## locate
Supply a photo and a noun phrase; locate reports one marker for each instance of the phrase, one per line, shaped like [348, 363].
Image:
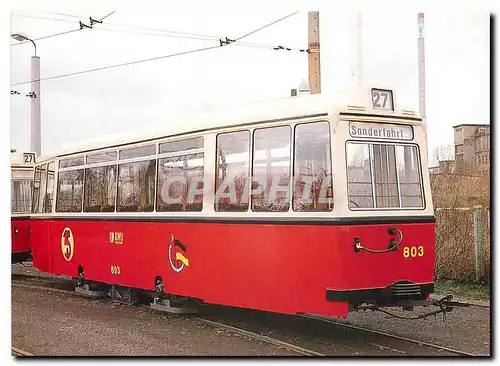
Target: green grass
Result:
[463, 289]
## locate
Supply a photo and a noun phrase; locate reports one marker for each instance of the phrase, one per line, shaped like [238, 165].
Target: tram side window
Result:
[136, 186]
[100, 189]
[271, 169]
[232, 171]
[69, 191]
[313, 168]
[181, 145]
[180, 183]
[70, 162]
[49, 196]
[383, 176]
[21, 196]
[36, 189]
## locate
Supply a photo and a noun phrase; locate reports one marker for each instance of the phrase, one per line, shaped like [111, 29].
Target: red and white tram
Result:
[313, 204]
[22, 168]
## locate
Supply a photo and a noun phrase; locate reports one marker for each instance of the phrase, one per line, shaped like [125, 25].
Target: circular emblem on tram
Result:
[180, 260]
[67, 244]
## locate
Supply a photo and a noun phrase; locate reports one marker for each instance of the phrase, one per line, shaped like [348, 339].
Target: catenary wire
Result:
[146, 60]
[165, 33]
[61, 33]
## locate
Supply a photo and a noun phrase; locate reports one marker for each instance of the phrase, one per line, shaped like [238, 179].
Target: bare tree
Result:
[444, 152]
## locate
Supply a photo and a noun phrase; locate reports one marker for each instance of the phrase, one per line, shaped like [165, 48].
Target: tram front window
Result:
[383, 176]
[21, 196]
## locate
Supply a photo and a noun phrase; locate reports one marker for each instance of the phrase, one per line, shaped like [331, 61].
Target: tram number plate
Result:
[382, 99]
[115, 270]
[413, 251]
[29, 158]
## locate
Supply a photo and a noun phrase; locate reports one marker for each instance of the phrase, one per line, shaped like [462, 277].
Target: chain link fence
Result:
[462, 242]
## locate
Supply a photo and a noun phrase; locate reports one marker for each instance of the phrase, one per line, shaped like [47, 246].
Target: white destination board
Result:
[380, 131]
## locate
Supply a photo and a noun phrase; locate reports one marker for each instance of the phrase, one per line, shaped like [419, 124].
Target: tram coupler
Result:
[445, 305]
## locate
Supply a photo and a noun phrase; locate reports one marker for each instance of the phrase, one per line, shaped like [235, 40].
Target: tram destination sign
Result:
[380, 131]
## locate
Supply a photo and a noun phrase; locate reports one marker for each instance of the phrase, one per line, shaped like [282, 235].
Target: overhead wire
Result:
[58, 34]
[151, 59]
[118, 65]
[168, 33]
[267, 25]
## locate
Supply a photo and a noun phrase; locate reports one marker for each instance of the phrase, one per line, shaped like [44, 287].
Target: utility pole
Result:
[35, 115]
[314, 59]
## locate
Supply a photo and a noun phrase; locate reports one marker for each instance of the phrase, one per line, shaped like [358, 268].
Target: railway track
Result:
[247, 333]
[19, 352]
[253, 335]
[260, 337]
[394, 336]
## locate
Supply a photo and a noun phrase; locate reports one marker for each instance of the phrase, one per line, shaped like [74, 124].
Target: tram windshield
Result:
[21, 196]
[383, 176]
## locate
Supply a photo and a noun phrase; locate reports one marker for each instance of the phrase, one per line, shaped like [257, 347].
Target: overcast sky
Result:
[87, 105]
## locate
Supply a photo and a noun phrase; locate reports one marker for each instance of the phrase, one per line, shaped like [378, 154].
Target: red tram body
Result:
[22, 168]
[370, 239]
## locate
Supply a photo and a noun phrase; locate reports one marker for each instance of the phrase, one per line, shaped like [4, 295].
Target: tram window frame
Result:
[89, 194]
[60, 178]
[35, 195]
[244, 204]
[264, 202]
[42, 189]
[49, 196]
[330, 204]
[136, 206]
[374, 207]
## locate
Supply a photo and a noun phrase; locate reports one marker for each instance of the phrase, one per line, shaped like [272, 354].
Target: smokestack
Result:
[356, 50]
[421, 66]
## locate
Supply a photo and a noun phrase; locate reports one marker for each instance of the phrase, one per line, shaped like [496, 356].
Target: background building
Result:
[472, 149]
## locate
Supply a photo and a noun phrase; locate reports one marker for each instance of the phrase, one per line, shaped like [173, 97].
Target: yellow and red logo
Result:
[181, 260]
[116, 237]
[67, 244]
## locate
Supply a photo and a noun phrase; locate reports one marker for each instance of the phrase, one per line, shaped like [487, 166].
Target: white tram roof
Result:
[289, 107]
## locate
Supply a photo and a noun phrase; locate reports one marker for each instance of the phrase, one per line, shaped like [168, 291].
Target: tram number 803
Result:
[413, 251]
[115, 270]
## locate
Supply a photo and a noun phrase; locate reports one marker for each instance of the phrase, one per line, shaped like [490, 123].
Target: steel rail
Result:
[260, 337]
[19, 352]
[367, 330]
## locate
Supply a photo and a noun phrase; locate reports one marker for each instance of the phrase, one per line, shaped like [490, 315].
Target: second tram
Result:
[22, 168]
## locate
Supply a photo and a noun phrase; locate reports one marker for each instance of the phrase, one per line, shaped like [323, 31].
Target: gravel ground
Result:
[465, 329]
[53, 324]
[43, 322]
